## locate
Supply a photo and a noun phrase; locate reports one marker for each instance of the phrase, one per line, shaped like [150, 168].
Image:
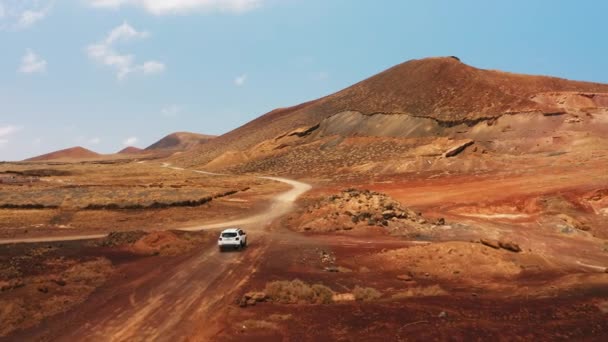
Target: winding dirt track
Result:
[281, 204]
[174, 302]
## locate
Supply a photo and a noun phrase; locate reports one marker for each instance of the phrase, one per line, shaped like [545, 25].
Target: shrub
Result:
[296, 291]
[366, 294]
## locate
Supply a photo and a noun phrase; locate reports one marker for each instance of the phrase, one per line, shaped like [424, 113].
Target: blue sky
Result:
[105, 73]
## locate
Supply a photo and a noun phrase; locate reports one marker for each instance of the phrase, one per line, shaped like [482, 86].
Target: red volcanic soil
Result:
[180, 141]
[441, 89]
[131, 150]
[69, 153]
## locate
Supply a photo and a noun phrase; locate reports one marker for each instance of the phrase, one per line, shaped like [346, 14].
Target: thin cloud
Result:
[5, 132]
[23, 14]
[171, 111]
[240, 80]
[94, 141]
[124, 64]
[31, 63]
[130, 141]
[165, 7]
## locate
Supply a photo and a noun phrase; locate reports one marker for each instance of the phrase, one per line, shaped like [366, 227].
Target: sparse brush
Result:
[296, 291]
[366, 294]
[430, 291]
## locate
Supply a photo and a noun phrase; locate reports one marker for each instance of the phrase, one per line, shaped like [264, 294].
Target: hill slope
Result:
[444, 91]
[68, 153]
[130, 150]
[180, 141]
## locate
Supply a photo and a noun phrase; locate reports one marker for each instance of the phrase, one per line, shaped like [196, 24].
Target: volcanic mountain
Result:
[69, 153]
[427, 106]
[130, 150]
[180, 141]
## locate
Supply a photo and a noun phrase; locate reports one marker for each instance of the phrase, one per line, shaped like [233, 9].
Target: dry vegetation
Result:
[89, 196]
[56, 284]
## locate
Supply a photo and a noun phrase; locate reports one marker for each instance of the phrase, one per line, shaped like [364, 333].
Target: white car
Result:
[232, 238]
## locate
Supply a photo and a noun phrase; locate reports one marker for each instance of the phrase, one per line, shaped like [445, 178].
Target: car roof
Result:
[231, 230]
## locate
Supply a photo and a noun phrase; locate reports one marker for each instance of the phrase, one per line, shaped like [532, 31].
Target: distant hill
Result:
[180, 141]
[426, 98]
[69, 153]
[130, 150]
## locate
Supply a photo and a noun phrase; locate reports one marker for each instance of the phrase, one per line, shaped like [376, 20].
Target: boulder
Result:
[510, 246]
[490, 243]
[456, 149]
[405, 277]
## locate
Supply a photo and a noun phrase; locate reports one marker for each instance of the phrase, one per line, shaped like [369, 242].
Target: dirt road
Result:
[280, 205]
[168, 303]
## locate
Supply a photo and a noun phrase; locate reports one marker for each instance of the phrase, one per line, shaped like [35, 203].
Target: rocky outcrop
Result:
[458, 148]
[358, 209]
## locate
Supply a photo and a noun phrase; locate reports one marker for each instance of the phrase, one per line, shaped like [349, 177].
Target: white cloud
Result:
[130, 141]
[5, 132]
[164, 7]
[32, 63]
[22, 14]
[320, 76]
[94, 141]
[240, 80]
[124, 64]
[124, 32]
[29, 18]
[152, 67]
[171, 111]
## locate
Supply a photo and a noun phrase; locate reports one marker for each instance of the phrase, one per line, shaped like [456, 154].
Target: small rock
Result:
[440, 221]
[43, 289]
[405, 277]
[510, 246]
[60, 282]
[332, 269]
[388, 214]
[490, 243]
[251, 302]
[443, 314]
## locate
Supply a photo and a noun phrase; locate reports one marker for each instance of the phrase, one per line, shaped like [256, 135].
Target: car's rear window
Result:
[228, 235]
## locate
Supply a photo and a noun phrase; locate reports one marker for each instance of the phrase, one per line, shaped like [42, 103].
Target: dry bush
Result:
[90, 272]
[296, 291]
[429, 291]
[258, 324]
[366, 294]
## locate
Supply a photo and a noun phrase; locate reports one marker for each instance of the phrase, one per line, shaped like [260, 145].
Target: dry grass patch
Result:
[298, 292]
[366, 294]
[37, 297]
[429, 291]
[259, 325]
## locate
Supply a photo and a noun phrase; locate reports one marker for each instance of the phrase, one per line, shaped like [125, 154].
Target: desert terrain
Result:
[433, 201]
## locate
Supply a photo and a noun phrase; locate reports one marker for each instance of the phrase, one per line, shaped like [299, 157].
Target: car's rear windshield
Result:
[228, 234]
